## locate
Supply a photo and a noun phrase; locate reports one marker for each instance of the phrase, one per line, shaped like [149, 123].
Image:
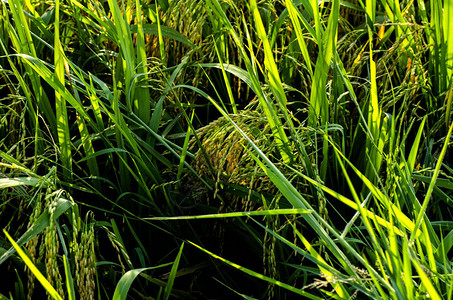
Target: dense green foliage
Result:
[221, 149]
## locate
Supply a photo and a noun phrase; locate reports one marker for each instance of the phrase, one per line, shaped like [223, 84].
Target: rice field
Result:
[216, 149]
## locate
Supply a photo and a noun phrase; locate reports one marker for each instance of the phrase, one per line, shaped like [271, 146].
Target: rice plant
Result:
[219, 149]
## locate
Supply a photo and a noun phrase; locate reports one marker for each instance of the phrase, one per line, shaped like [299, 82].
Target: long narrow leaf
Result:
[47, 286]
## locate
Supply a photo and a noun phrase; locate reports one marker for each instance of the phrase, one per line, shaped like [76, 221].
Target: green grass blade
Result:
[379, 195]
[272, 212]
[47, 286]
[234, 70]
[269, 60]
[431, 186]
[142, 101]
[432, 292]
[161, 40]
[64, 138]
[38, 226]
[126, 61]
[87, 147]
[165, 31]
[158, 108]
[365, 212]
[415, 146]
[407, 269]
[19, 181]
[319, 108]
[94, 99]
[69, 279]
[102, 152]
[40, 68]
[338, 287]
[258, 275]
[294, 15]
[124, 284]
[227, 81]
[374, 143]
[448, 105]
[448, 28]
[171, 277]
[184, 149]
[234, 291]
[23, 43]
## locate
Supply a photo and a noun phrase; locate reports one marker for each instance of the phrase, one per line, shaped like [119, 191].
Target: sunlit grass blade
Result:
[60, 103]
[171, 277]
[427, 283]
[124, 284]
[272, 212]
[379, 195]
[161, 40]
[257, 275]
[23, 43]
[415, 146]
[363, 211]
[184, 150]
[69, 279]
[38, 226]
[47, 286]
[227, 82]
[427, 197]
[448, 28]
[268, 106]
[19, 181]
[294, 15]
[338, 287]
[269, 60]
[126, 62]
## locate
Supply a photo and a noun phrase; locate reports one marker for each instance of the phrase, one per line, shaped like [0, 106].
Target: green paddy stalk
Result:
[374, 144]
[126, 60]
[64, 138]
[326, 39]
[448, 29]
[142, 100]
[431, 186]
[269, 60]
[33, 114]
[314, 220]
[295, 17]
[161, 40]
[226, 80]
[268, 106]
[23, 43]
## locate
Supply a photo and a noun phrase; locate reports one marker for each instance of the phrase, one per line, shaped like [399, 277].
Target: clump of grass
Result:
[333, 136]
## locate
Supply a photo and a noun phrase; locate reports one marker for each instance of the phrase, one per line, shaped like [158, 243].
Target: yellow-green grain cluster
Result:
[33, 246]
[85, 258]
[52, 244]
